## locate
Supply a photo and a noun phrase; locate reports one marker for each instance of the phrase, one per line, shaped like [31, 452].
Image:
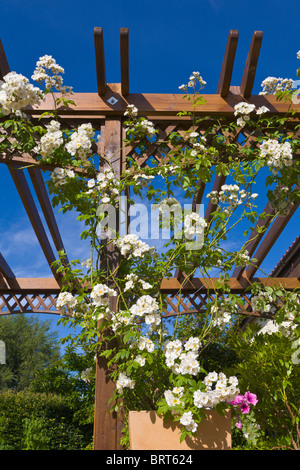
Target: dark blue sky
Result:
[167, 41]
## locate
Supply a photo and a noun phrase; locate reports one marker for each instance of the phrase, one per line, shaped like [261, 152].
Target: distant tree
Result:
[71, 377]
[30, 345]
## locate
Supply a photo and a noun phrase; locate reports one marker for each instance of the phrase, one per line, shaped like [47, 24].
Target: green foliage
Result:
[276, 383]
[35, 421]
[35, 409]
[30, 346]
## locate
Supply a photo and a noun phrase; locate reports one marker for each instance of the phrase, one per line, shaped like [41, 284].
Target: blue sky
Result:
[167, 41]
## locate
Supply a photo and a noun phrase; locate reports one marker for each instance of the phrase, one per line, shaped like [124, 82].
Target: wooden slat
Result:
[248, 78]
[32, 212]
[204, 285]
[124, 52]
[155, 104]
[228, 62]
[168, 286]
[5, 270]
[44, 200]
[4, 67]
[100, 61]
[276, 229]
[30, 286]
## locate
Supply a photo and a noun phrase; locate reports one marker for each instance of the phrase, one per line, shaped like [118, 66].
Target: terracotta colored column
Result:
[107, 425]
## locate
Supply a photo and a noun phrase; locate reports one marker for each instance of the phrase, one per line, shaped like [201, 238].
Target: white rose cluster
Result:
[280, 200]
[52, 140]
[243, 110]
[147, 307]
[131, 111]
[107, 184]
[142, 180]
[16, 93]
[131, 246]
[48, 71]
[124, 381]
[167, 204]
[132, 280]
[183, 359]
[100, 294]
[272, 85]
[262, 303]
[219, 388]
[59, 175]
[197, 141]
[67, 300]
[141, 128]
[222, 314]
[194, 224]
[194, 80]
[278, 154]
[119, 319]
[188, 422]
[80, 142]
[230, 194]
[173, 396]
[241, 258]
[145, 343]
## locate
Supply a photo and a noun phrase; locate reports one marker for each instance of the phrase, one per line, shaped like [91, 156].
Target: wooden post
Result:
[107, 425]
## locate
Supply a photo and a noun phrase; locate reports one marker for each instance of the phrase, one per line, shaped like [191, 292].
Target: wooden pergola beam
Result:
[4, 67]
[5, 269]
[168, 286]
[27, 285]
[100, 61]
[248, 78]
[227, 65]
[267, 243]
[210, 285]
[124, 57]
[155, 105]
[34, 217]
[45, 203]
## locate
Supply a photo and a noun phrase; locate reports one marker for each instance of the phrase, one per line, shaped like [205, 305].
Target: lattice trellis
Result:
[22, 303]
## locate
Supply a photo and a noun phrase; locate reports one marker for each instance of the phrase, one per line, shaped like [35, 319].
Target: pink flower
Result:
[237, 400]
[251, 398]
[239, 423]
[245, 408]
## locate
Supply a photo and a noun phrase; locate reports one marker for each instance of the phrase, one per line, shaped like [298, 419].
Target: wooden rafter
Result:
[124, 50]
[228, 62]
[267, 243]
[100, 61]
[6, 273]
[4, 67]
[248, 77]
[34, 217]
[45, 203]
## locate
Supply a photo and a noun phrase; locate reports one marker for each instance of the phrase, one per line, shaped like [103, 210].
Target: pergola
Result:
[105, 110]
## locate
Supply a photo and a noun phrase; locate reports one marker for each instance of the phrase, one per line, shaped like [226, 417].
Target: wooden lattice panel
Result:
[185, 304]
[22, 303]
